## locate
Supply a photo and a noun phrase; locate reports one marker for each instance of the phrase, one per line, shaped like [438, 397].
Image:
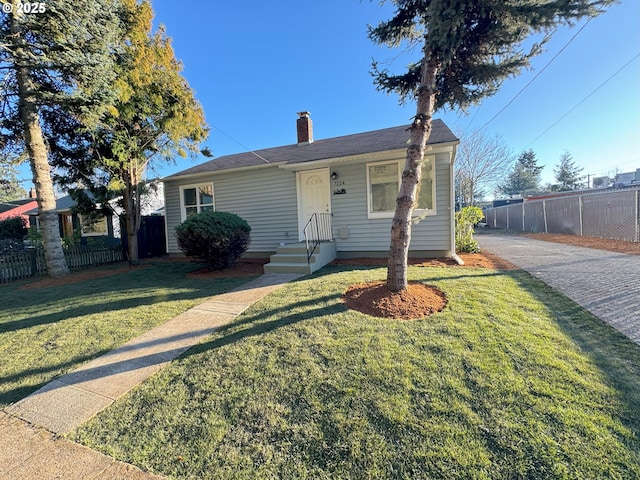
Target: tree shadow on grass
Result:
[255, 324]
[132, 289]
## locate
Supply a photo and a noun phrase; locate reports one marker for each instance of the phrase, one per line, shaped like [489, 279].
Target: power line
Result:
[243, 146]
[584, 99]
[535, 77]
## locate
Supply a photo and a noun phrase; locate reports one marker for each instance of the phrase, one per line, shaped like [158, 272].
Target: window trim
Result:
[100, 218]
[183, 207]
[390, 213]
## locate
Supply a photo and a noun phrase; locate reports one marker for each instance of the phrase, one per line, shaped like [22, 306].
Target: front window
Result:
[93, 224]
[196, 199]
[383, 185]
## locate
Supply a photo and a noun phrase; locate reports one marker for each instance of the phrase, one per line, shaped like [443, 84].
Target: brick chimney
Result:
[305, 128]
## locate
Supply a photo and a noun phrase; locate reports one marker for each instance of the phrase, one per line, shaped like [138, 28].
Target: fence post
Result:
[638, 215]
[580, 209]
[34, 261]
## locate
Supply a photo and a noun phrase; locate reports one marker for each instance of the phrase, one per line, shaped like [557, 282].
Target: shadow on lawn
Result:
[133, 289]
[612, 353]
[254, 325]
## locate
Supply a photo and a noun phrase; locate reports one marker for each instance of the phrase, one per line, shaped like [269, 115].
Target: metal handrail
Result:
[317, 229]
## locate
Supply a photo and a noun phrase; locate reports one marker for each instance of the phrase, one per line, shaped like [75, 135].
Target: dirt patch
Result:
[242, 268]
[619, 246]
[471, 260]
[77, 277]
[417, 301]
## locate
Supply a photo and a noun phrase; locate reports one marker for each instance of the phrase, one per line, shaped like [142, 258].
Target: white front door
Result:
[313, 196]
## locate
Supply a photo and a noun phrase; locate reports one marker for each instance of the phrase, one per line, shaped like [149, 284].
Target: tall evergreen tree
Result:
[468, 47]
[524, 178]
[10, 188]
[155, 118]
[54, 62]
[568, 174]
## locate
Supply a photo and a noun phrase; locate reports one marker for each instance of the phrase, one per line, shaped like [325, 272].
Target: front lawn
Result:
[46, 332]
[511, 380]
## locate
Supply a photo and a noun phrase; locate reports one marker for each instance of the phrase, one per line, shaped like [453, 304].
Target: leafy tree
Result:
[155, 118]
[568, 174]
[524, 177]
[55, 64]
[10, 188]
[480, 163]
[467, 49]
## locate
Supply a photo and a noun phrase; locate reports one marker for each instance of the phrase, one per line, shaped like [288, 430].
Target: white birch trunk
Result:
[37, 151]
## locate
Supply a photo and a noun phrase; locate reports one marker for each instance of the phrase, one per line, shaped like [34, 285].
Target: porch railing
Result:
[317, 229]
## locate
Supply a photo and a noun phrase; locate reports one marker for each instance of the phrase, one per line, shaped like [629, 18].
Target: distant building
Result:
[627, 179]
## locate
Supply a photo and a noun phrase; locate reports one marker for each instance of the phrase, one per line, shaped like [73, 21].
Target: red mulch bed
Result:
[417, 301]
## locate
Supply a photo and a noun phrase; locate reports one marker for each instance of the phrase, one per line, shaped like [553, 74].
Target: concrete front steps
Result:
[292, 258]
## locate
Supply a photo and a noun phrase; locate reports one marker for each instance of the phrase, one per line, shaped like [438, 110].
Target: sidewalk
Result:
[607, 284]
[30, 448]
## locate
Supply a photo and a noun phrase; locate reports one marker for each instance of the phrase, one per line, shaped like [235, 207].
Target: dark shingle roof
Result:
[376, 141]
[11, 204]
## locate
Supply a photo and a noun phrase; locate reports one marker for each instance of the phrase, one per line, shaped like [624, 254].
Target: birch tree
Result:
[55, 57]
[467, 49]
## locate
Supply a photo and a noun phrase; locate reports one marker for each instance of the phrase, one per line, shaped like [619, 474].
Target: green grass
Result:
[511, 380]
[47, 332]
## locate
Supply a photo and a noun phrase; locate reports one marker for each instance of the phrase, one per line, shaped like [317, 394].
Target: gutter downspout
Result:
[452, 210]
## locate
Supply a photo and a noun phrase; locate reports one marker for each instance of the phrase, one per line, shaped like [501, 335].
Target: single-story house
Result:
[341, 189]
[72, 223]
[17, 208]
[98, 224]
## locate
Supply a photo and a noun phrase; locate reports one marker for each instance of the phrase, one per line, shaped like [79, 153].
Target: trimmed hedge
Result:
[216, 238]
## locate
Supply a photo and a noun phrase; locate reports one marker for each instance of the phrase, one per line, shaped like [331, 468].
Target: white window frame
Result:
[183, 207]
[100, 220]
[390, 213]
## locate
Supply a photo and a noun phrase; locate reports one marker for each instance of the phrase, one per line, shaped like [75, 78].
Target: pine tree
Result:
[568, 174]
[10, 188]
[55, 62]
[468, 47]
[524, 178]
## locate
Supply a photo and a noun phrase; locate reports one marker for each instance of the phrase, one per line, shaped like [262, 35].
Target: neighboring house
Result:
[18, 208]
[351, 181]
[99, 225]
[89, 226]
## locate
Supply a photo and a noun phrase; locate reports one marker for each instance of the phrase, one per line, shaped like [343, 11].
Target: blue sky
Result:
[254, 64]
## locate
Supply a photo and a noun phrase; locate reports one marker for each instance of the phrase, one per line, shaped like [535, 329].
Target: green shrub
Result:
[14, 228]
[216, 238]
[466, 218]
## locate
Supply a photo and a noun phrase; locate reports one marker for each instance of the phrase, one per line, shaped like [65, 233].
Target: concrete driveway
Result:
[606, 284]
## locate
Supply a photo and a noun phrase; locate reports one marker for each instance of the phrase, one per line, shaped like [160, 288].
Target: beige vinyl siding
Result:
[373, 235]
[265, 198]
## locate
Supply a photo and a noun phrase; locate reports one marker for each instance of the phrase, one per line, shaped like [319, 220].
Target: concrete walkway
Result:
[606, 284]
[30, 449]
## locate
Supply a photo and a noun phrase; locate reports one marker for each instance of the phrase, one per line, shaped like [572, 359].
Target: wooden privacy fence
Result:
[30, 262]
[613, 214]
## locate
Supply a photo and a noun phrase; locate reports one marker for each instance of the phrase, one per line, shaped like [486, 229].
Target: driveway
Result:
[607, 284]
